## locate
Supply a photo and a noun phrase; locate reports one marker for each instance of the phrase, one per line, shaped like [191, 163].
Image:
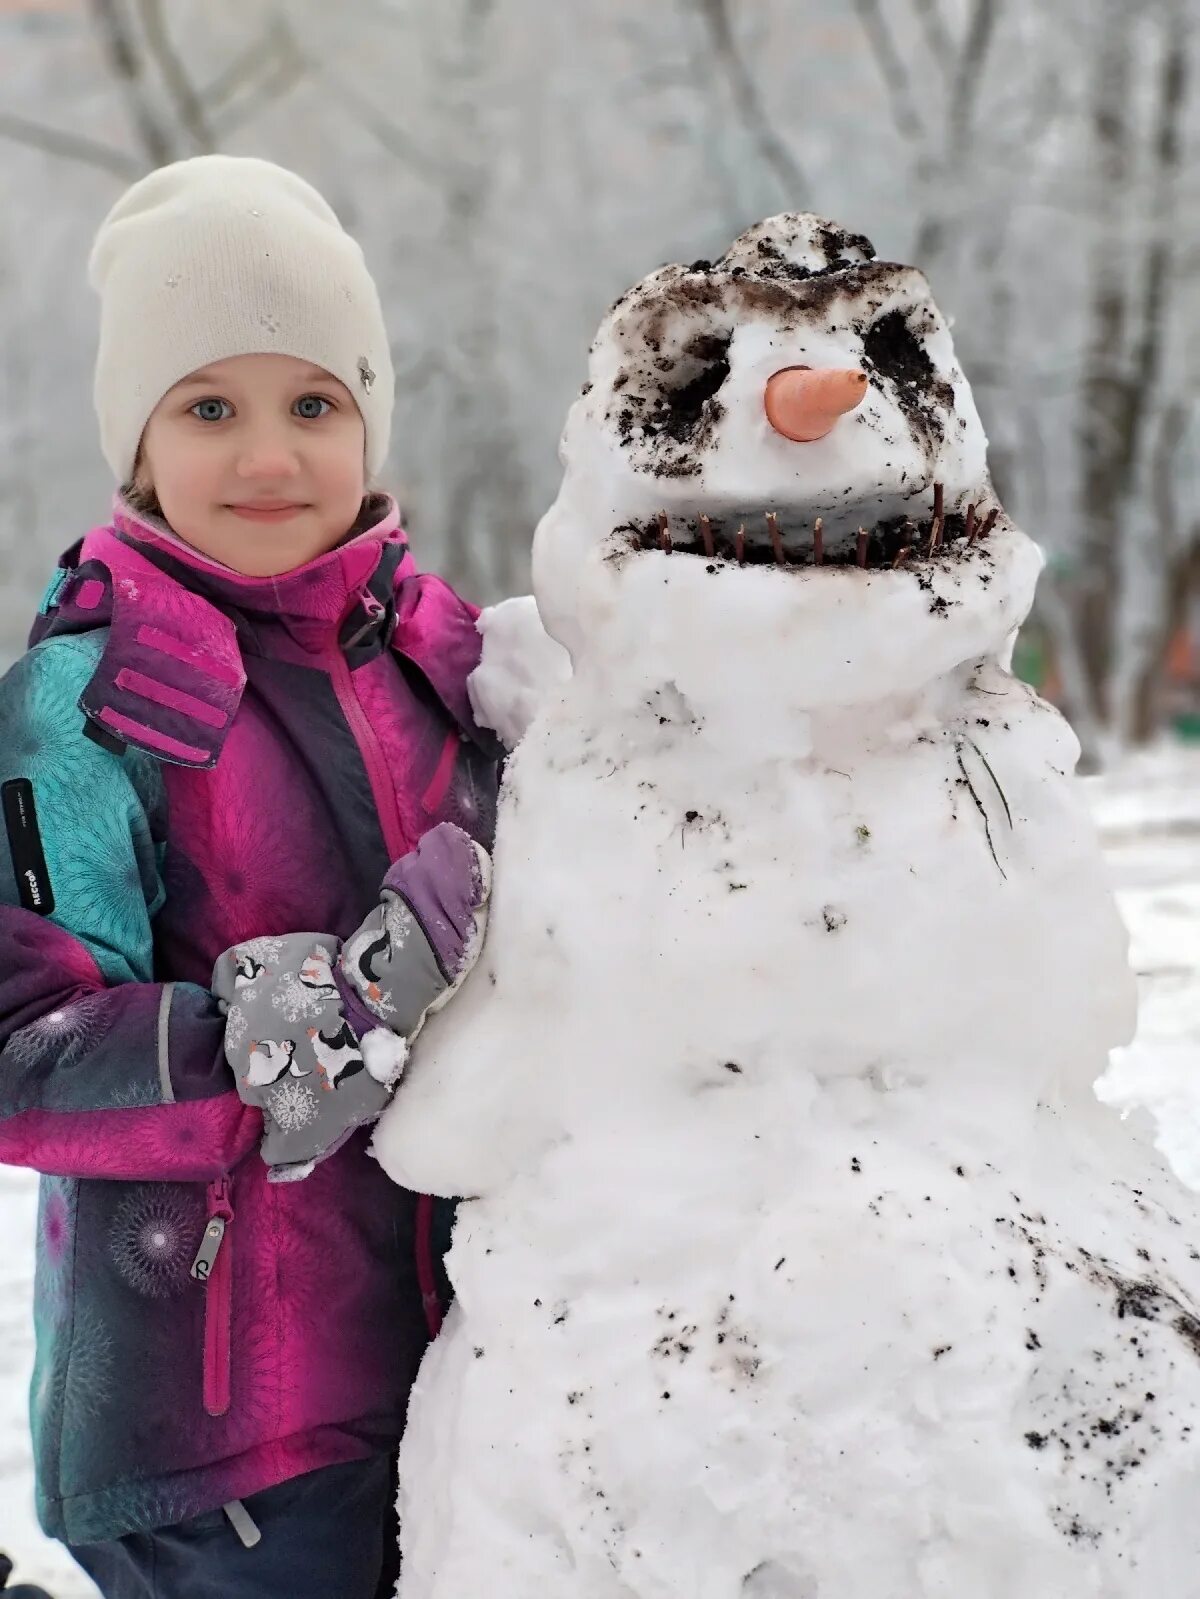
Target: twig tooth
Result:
[776, 539]
[989, 522]
[938, 520]
[664, 533]
[706, 537]
[863, 540]
[970, 528]
[739, 545]
[818, 542]
[902, 556]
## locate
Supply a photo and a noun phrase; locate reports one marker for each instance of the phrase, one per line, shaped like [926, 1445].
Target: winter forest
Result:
[511, 165]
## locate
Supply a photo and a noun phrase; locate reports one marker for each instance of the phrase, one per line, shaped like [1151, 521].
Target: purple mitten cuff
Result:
[443, 883]
[355, 1012]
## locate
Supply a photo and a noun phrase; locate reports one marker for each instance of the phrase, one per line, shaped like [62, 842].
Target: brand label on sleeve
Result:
[25, 846]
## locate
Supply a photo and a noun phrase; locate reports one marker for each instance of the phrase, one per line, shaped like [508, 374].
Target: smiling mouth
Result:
[267, 512]
[771, 538]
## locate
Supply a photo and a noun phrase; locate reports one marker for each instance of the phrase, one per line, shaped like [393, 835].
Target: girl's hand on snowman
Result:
[317, 1034]
[416, 947]
[294, 1054]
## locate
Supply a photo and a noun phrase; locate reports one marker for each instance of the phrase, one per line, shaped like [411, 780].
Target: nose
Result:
[267, 455]
[804, 402]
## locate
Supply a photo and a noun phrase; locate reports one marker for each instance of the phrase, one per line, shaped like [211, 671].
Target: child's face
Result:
[257, 461]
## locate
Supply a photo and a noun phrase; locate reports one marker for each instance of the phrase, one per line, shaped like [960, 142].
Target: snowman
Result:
[799, 1259]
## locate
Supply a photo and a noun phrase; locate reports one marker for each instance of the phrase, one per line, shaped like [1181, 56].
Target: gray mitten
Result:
[421, 940]
[293, 1052]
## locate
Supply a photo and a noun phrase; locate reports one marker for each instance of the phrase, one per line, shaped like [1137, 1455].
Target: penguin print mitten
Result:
[293, 1052]
[416, 947]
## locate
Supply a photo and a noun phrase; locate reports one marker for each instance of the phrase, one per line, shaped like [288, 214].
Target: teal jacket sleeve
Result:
[103, 1071]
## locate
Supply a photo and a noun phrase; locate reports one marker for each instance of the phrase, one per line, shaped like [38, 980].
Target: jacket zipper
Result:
[393, 835]
[371, 751]
[213, 1266]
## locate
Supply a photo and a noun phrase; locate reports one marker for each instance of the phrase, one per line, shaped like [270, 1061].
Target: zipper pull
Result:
[220, 1214]
[214, 1234]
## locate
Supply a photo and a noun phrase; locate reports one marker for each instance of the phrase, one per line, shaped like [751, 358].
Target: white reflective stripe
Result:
[164, 1034]
[242, 1523]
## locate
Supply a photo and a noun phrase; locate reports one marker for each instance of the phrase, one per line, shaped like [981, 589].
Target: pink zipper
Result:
[393, 835]
[213, 1266]
[372, 753]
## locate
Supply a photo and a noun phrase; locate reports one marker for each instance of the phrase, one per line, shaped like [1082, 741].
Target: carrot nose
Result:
[804, 402]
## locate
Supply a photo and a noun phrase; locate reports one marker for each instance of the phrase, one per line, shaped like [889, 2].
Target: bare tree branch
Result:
[1104, 383]
[285, 76]
[937, 35]
[964, 95]
[1150, 467]
[242, 70]
[273, 62]
[902, 97]
[1180, 567]
[72, 146]
[119, 46]
[188, 106]
[393, 138]
[1127, 346]
[1078, 703]
[958, 136]
[281, 64]
[715, 15]
[1041, 97]
[1168, 151]
[272, 65]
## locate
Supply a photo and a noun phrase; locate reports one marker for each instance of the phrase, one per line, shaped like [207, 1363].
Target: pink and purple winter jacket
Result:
[191, 758]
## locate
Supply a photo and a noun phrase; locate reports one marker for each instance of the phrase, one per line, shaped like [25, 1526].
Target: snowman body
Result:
[799, 1260]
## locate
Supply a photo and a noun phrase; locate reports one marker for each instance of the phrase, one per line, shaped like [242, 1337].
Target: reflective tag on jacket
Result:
[25, 846]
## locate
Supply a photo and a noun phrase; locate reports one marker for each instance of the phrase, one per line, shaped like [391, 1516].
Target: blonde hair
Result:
[141, 498]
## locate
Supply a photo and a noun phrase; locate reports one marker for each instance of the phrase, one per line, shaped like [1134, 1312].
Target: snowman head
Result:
[730, 404]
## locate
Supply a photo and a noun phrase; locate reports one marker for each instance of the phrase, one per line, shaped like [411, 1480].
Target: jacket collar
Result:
[170, 675]
[322, 590]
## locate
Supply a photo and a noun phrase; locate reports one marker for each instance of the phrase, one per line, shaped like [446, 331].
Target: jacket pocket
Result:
[213, 1267]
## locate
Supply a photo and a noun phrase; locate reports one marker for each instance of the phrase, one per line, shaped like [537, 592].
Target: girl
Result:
[240, 706]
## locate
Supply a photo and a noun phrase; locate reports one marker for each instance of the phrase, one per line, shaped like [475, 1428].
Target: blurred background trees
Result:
[511, 165]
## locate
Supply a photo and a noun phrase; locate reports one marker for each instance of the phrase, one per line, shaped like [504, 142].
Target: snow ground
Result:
[35, 1558]
[1148, 812]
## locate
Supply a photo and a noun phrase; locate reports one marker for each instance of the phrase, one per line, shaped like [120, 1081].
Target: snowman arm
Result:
[521, 669]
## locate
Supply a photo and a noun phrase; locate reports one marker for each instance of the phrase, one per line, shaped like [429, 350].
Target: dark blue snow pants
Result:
[330, 1534]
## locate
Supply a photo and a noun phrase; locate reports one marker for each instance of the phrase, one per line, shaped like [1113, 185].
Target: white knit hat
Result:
[228, 255]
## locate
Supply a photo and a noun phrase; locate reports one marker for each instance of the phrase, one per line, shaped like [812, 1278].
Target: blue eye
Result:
[304, 407]
[210, 410]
